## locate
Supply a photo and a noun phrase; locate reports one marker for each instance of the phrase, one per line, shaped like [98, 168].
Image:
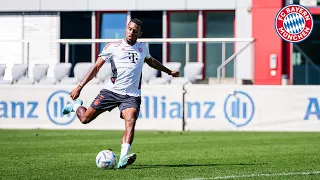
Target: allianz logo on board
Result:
[238, 109]
[54, 106]
[313, 109]
[30, 109]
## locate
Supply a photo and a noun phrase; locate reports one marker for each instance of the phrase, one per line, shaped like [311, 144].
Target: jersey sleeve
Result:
[107, 52]
[148, 56]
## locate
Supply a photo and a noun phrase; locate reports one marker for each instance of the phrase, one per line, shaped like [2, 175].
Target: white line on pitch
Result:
[258, 175]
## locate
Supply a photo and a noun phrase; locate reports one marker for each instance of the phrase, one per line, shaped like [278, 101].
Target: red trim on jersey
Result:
[106, 46]
[117, 43]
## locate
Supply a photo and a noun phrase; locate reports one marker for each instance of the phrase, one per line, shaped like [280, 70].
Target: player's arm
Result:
[92, 73]
[157, 65]
[104, 56]
[74, 94]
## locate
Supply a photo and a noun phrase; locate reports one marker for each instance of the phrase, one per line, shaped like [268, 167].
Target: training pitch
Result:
[61, 154]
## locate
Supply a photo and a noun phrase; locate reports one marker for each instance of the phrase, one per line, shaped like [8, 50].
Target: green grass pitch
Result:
[70, 154]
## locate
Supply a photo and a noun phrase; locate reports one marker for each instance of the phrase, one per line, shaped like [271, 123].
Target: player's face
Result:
[133, 32]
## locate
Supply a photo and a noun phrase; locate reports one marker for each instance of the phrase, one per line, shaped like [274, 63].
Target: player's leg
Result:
[129, 112]
[87, 115]
[103, 102]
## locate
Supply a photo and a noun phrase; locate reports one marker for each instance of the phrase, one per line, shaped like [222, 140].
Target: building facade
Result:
[45, 21]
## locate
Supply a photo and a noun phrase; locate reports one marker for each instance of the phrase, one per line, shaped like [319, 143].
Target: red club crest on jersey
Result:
[106, 46]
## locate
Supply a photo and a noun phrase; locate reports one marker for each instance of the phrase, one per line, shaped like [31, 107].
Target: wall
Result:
[243, 29]
[267, 41]
[11, 52]
[97, 5]
[42, 28]
[243, 19]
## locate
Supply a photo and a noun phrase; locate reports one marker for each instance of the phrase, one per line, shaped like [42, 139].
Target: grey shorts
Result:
[108, 100]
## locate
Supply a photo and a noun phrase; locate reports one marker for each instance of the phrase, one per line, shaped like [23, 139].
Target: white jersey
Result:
[126, 63]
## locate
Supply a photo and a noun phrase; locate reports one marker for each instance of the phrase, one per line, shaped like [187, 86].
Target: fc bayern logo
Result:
[294, 23]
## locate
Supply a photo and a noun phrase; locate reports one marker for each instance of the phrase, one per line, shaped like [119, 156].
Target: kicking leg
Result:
[85, 115]
[104, 101]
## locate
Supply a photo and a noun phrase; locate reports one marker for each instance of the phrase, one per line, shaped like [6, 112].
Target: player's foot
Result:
[126, 160]
[69, 107]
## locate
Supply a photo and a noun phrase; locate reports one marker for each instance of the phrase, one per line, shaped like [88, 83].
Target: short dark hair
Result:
[137, 22]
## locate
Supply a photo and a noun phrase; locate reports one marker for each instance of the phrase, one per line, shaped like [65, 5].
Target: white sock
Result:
[75, 107]
[125, 148]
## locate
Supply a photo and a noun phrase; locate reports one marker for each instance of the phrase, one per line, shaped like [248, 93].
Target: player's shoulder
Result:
[142, 44]
[118, 43]
[113, 44]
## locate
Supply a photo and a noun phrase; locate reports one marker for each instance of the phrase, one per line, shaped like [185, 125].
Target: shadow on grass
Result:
[140, 166]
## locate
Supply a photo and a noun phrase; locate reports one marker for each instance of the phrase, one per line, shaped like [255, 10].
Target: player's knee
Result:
[129, 115]
[130, 118]
[85, 120]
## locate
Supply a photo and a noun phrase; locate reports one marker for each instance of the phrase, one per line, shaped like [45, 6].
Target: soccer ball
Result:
[106, 159]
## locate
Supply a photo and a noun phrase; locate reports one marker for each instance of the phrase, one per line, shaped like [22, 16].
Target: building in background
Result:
[45, 21]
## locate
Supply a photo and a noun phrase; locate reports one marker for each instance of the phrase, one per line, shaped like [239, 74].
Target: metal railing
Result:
[187, 41]
[225, 62]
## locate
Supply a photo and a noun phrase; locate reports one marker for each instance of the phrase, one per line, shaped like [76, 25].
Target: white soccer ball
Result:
[106, 159]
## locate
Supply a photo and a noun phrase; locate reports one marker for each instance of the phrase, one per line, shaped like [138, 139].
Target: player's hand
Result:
[75, 93]
[175, 73]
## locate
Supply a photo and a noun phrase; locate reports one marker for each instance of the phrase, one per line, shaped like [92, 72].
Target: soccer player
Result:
[126, 57]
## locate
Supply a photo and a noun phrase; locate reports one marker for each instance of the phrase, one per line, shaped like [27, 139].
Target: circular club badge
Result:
[294, 23]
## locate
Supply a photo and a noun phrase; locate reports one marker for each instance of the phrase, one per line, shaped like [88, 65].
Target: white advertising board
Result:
[207, 108]
[252, 108]
[29, 107]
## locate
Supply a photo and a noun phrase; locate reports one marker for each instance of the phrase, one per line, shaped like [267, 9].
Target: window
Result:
[183, 25]
[218, 25]
[309, 47]
[112, 26]
[76, 25]
[152, 28]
